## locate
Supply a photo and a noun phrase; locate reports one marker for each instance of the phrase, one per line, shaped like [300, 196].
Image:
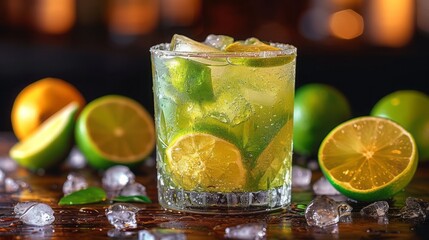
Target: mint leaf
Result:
[85, 196]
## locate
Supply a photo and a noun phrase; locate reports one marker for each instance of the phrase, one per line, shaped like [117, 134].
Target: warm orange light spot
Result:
[391, 21]
[346, 24]
[55, 16]
[181, 12]
[133, 17]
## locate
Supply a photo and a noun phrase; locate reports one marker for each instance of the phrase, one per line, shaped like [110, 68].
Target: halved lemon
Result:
[201, 161]
[115, 130]
[50, 143]
[368, 158]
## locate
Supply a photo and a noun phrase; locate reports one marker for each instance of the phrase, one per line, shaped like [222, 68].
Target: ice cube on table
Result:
[10, 185]
[218, 41]
[116, 177]
[324, 187]
[7, 164]
[74, 182]
[247, 231]
[376, 209]
[301, 177]
[75, 160]
[2, 176]
[34, 213]
[122, 215]
[324, 211]
[21, 207]
[133, 189]
[120, 234]
[161, 234]
[414, 208]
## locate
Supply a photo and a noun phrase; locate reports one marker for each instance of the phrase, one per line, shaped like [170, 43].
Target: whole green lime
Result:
[409, 108]
[318, 108]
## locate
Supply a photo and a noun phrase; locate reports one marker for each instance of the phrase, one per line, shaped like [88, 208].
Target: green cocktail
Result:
[223, 115]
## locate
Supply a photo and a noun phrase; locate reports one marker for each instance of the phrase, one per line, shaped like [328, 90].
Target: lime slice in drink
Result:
[254, 45]
[275, 161]
[115, 130]
[191, 78]
[50, 143]
[368, 158]
[200, 161]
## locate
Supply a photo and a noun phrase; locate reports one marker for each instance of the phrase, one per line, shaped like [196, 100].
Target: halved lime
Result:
[410, 109]
[200, 161]
[50, 143]
[368, 158]
[115, 130]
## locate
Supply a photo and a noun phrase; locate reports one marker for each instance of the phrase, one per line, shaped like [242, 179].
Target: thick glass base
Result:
[224, 203]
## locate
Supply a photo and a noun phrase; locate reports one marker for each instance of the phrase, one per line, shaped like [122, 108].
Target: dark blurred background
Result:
[365, 48]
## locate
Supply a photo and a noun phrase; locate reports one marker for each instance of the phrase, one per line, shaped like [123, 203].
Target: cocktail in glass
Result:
[224, 119]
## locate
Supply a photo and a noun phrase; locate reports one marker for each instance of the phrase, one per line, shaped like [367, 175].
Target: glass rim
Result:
[286, 50]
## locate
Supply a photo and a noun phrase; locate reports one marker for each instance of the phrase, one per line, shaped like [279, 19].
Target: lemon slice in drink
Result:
[275, 161]
[368, 158]
[200, 161]
[254, 45]
[115, 130]
[50, 143]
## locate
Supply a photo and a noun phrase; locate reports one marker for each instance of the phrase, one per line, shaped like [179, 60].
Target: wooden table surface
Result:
[89, 221]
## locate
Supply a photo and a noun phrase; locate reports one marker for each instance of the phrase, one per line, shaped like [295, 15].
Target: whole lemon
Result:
[40, 100]
[409, 108]
[318, 108]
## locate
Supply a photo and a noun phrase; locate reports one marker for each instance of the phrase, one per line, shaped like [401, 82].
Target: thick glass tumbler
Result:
[224, 129]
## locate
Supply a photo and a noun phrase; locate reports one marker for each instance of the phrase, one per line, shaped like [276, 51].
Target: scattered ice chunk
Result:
[323, 211]
[11, 185]
[21, 207]
[120, 234]
[247, 231]
[122, 215]
[2, 177]
[414, 208]
[34, 213]
[301, 177]
[376, 209]
[74, 182]
[133, 189]
[116, 177]
[161, 234]
[324, 187]
[75, 160]
[218, 41]
[7, 164]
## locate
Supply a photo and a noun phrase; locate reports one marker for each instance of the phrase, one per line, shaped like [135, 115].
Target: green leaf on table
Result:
[136, 198]
[84, 196]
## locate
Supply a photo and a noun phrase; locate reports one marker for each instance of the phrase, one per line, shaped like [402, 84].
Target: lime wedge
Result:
[50, 143]
[191, 78]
